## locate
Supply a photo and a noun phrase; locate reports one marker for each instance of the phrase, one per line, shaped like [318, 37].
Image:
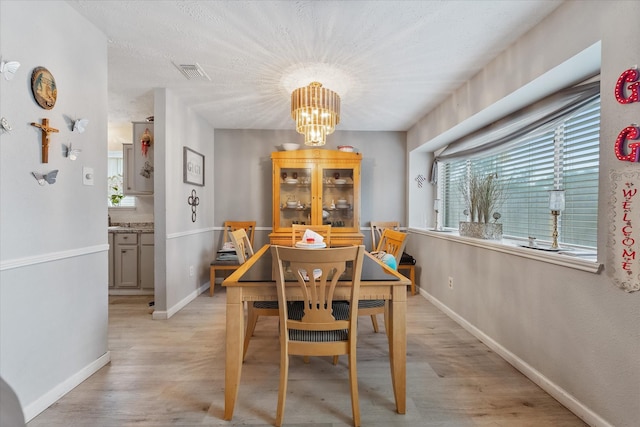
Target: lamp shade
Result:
[556, 200]
[316, 111]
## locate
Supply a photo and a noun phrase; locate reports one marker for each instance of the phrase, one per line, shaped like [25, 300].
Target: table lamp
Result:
[437, 205]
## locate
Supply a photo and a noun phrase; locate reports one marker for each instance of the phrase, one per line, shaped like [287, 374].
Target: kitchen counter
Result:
[133, 227]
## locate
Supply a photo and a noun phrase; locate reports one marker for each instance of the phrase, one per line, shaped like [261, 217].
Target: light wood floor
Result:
[166, 373]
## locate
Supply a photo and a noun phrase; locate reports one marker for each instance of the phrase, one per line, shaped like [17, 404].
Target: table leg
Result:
[234, 342]
[398, 346]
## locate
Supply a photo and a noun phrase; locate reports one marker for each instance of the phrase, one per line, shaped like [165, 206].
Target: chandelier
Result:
[316, 111]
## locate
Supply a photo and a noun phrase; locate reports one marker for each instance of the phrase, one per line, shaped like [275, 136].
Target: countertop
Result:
[141, 227]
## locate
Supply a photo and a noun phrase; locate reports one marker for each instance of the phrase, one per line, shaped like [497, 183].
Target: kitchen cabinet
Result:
[111, 258]
[138, 161]
[316, 186]
[126, 260]
[146, 261]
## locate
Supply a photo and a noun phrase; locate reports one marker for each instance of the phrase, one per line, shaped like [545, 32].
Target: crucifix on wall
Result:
[46, 130]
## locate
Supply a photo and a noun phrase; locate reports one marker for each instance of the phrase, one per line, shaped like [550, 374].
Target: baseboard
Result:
[558, 393]
[163, 315]
[49, 398]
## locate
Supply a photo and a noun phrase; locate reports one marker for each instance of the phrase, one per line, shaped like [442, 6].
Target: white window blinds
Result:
[564, 157]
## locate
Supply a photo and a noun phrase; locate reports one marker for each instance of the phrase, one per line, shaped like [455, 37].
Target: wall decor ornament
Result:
[80, 125]
[193, 200]
[46, 130]
[628, 76]
[70, 152]
[46, 178]
[629, 133]
[8, 68]
[4, 125]
[624, 230]
[44, 88]
[193, 167]
[145, 142]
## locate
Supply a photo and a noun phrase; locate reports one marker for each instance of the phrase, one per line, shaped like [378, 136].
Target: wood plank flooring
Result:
[171, 373]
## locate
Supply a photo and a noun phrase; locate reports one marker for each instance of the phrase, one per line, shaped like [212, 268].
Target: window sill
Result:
[578, 259]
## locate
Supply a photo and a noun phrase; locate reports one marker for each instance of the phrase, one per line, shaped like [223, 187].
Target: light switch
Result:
[87, 176]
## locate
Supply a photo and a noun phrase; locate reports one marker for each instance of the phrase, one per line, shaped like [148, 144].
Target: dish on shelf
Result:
[289, 146]
[345, 148]
[325, 214]
[340, 181]
[293, 204]
[339, 206]
[291, 181]
[341, 201]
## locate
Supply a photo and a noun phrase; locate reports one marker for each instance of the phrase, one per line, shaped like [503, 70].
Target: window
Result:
[566, 157]
[115, 184]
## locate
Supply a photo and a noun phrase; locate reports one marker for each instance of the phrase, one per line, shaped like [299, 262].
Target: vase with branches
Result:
[483, 196]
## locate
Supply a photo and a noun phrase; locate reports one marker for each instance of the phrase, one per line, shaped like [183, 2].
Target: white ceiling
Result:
[390, 61]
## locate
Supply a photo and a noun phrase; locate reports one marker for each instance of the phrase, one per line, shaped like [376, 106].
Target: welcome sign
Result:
[624, 244]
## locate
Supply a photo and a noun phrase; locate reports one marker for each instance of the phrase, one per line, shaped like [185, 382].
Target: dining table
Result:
[255, 281]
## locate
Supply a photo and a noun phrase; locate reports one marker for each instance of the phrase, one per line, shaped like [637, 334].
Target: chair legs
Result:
[282, 389]
[252, 319]
[353, 383]
[374, 321]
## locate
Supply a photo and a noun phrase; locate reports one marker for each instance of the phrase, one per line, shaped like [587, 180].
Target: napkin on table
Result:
[310, 234]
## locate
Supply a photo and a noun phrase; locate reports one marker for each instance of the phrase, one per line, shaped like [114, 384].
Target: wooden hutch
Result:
[316, 186]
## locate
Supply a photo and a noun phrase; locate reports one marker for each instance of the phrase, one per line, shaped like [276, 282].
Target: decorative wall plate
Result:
[44, 89]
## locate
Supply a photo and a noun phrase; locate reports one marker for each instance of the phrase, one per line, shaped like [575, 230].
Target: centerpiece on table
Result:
[483, 195]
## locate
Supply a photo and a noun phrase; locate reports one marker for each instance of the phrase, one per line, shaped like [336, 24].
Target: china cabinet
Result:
[316, 186]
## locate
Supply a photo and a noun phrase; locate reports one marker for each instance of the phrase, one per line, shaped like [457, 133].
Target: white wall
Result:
[53, 241]
[573, 332]
[179, 242]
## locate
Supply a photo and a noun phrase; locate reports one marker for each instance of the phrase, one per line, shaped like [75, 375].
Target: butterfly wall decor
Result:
[70, 152]
[80, 125]
[48, 177]
[4, 125]
[8, 68]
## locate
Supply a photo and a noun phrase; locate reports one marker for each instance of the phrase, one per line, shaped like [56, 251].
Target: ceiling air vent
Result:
[193, 71]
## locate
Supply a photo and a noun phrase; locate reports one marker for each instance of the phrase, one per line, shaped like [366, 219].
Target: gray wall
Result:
[573, 332]
[243, 184]
[53, 240]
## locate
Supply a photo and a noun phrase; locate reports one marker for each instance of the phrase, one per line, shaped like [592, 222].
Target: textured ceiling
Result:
[390, 61]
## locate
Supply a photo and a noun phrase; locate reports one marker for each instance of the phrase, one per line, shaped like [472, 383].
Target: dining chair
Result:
[297, 231]
[314, 328]
[377, 227]
[391, 242]
[229, 265]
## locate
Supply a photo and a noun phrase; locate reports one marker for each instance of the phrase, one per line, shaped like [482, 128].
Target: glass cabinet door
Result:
[295, 197]
[339, 198]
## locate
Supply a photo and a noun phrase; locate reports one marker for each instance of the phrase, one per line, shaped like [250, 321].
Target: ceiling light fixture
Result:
[316, 111]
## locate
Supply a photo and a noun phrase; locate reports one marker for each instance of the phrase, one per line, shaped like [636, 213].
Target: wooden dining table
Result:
[254, 281]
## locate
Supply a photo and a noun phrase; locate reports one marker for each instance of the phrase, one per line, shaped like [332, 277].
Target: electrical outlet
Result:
[450, 282]
[191, 270]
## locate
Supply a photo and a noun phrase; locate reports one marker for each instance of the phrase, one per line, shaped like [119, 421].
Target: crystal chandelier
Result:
[316, 111]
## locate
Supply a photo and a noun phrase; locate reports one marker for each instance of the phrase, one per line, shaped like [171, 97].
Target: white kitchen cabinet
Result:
[138, 161]
[146, 261]
[126, 260]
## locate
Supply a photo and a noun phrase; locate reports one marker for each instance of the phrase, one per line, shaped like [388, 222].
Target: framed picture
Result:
[193, 167]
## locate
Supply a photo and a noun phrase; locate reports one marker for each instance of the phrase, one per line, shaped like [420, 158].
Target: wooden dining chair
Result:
[314, 328]
[391, 242]
[297, 231]
[377, 227]
[229, 265]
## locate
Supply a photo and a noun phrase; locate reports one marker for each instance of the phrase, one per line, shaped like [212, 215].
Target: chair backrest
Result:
[248, 226]
[377, 227]
[317, 273]
[297, 231]
[240, 240]
[393, 242]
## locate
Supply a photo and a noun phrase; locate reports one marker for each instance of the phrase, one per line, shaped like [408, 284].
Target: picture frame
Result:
[193, 167]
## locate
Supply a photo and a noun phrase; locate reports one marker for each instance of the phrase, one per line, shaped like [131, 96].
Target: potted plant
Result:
[483, 196]
[115, 194]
